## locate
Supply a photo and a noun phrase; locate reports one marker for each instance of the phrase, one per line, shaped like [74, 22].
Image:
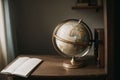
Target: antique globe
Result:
[72, 38]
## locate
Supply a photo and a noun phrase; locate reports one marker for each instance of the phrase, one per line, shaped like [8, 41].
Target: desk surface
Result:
[52, 67]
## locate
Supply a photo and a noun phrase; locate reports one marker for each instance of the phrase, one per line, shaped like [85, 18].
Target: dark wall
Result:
[35, 20]
[117, 40]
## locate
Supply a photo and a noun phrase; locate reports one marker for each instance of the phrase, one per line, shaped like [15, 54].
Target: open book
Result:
[22, 66]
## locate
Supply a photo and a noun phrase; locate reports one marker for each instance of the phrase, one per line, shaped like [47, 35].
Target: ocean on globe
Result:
[72, 37]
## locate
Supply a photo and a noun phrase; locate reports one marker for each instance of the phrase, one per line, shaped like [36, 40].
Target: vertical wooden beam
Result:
[109, 38]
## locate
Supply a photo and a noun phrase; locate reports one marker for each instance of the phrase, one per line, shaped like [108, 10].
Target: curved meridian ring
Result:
[70, 42]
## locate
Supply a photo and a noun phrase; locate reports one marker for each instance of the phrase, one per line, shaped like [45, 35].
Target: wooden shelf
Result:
[87, 7]
[82, 4]
[52, 67]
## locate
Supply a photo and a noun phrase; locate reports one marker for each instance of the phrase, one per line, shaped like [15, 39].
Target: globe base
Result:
[71, 65]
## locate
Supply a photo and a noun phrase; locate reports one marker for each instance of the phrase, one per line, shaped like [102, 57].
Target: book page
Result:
[27, 67]
[14, 65]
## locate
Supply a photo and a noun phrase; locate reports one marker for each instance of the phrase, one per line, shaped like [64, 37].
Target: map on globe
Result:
[72, 38]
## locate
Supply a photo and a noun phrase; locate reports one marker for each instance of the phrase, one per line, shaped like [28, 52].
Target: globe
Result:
[72, 38]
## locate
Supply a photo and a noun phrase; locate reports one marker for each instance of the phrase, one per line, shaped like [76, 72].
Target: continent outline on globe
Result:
[81, 34]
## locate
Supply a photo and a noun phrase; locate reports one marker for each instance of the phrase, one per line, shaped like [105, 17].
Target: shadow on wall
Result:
[35, 20]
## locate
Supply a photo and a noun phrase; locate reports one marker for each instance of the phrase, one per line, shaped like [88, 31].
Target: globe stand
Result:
[72, 37]
[73, 63]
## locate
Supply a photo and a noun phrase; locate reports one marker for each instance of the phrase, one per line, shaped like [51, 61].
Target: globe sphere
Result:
[72, 37]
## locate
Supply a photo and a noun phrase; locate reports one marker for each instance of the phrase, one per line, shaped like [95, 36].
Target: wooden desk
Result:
[52, 68]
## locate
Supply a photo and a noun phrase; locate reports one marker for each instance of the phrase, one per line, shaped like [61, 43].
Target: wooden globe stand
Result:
[73, 63]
